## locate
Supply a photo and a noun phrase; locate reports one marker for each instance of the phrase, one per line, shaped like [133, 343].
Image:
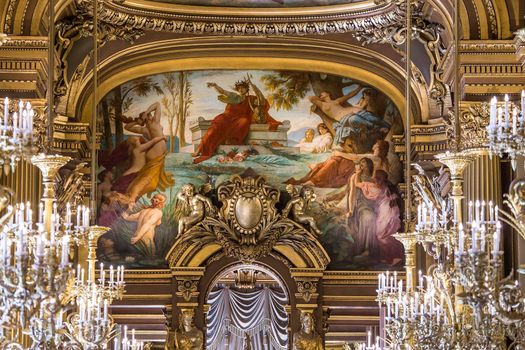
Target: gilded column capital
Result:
[455, 161]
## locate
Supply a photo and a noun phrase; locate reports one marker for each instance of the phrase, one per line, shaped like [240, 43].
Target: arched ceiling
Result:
[481, 19]
[378, 23]
[260, 3]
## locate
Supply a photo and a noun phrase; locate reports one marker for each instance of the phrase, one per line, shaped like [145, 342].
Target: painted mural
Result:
[261, 3]
[300, 130]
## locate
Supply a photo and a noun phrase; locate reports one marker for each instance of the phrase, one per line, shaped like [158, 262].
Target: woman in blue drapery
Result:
[363, 126]
[361, 123]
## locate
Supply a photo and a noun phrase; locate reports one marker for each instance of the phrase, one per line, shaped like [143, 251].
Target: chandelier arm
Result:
[515, 224]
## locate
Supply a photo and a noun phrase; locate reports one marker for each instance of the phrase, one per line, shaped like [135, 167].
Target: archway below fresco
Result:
[219, 243]
[248, 299]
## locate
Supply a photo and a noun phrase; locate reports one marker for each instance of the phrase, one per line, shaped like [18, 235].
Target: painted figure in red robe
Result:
[232, 126]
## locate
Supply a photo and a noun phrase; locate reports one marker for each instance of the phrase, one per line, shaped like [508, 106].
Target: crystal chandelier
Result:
[38, 288]
[90, 327]
[35, 269]
[16, 134]
[463, 303]
[36, 285]
[132, 343]
[506, 133]
[122, 342]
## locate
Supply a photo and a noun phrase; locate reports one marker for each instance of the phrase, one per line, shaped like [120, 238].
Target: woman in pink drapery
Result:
[388, 220]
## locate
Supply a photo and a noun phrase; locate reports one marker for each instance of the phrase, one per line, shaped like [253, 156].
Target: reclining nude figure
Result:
[334, 108]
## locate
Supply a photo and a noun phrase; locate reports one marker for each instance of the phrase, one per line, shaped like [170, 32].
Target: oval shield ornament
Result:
[248, 211]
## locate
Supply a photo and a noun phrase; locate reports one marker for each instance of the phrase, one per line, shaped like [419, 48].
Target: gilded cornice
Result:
[25, 42]
[22, 65]
[489, 67]
[487, 46]
[179, 19]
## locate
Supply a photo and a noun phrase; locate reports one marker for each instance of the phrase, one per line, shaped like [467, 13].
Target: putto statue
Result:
[188, 337]
[307, 338]
[299, 204]
[198, 205]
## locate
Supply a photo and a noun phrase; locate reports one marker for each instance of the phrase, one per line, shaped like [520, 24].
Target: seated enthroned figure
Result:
[232, 126]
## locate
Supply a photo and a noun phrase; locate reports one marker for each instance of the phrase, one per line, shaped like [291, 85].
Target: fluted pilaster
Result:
[482, 180]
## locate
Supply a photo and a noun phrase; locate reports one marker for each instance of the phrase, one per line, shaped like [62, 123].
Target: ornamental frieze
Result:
[119, 13]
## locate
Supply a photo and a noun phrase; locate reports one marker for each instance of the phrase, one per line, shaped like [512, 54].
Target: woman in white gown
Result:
[321, 143]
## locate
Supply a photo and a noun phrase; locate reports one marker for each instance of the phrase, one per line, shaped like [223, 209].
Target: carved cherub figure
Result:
[299, 204]
[198, 205]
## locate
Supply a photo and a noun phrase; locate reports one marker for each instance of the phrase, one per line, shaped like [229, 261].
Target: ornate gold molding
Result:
[9, 16]
[493, 66]
[473, 121]
[28, 42]
[307, 288]
[483, 46]
[147, 15]
[248, 237]
[235, 11]
[187, 287]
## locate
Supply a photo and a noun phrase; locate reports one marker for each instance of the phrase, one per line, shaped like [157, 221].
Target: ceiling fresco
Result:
[261, 3]
[296, 129]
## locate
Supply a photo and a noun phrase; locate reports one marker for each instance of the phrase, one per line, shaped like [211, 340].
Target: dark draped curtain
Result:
[260, 314]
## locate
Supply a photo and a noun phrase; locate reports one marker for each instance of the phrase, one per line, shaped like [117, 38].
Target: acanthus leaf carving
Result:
[393, 32]
[473, 122]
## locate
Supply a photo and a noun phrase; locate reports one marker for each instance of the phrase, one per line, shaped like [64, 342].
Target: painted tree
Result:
[106, 124]
[176, 102]
[287, 88]
[169, 108]
[184, 104]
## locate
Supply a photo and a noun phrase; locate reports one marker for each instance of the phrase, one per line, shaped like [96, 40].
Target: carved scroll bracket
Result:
[393, 32]
[307, 285]
[187, 285]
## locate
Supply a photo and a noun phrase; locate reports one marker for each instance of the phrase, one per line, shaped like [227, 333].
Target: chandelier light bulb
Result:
[506, 133]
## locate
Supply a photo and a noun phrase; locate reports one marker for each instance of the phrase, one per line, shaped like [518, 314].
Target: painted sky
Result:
[206, 104]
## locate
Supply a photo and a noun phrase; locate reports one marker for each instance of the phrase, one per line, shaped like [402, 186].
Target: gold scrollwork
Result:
[306, 289]
[248, 226]
[186, 287]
